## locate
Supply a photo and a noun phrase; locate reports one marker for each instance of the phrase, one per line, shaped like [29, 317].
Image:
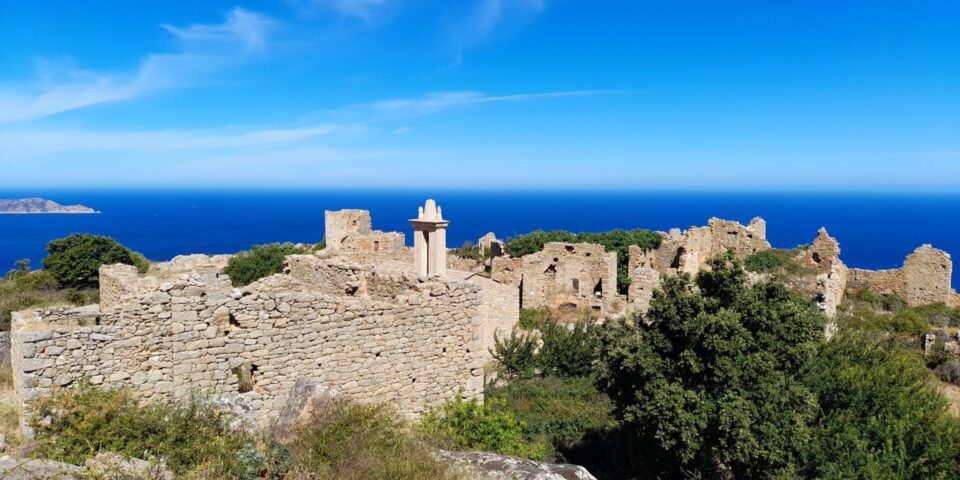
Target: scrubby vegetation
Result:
[75, 261]
[470, 252]
[725, 380]
[23, 289]
[471, 425]
[618, 241]
[260, 261]
[779, 262]
[194, 440]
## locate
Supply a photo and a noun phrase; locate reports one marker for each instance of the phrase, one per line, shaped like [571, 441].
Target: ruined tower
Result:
[430, 240]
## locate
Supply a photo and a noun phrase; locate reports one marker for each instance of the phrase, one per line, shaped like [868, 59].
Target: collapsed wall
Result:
[394, 339]
[925, 278]
[350, 232]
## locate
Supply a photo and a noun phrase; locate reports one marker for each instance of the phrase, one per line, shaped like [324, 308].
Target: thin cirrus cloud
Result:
[44, 142]
[441, 101]
[204, 49]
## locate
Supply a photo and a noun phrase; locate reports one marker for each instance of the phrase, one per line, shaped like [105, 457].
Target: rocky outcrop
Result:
[307, 397]
[111, 466]
[490, 466]
[39, 205]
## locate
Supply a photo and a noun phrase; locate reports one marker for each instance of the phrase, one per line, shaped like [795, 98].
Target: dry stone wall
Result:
[413, 343]
[924, 278]
[570, 277]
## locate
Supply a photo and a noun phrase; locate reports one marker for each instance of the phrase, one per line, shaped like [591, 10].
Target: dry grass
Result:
[9, 414]
[952, 394]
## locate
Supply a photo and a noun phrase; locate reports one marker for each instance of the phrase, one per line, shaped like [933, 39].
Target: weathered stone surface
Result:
[498, 467]
[307, 397]
[924, 278]
[29, 469]
[112, 466]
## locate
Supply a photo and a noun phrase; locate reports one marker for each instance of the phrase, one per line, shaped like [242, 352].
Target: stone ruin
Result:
[372, 330]
[555, 277]
[567, 277]
[583, 276]
[350, 232]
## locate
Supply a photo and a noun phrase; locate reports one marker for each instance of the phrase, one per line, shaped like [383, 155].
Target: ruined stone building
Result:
[373, 330]
[351, 232]
[923, 279]
[567, 277]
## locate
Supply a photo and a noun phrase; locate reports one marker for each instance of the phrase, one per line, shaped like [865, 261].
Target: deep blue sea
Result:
[874, 230]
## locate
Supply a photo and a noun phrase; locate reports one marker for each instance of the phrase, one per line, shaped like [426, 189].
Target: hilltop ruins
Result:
[378, 320]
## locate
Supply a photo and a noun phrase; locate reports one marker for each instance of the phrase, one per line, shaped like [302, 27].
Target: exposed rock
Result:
[498, 467]
[195, 261]
[241, 408]
[307, 397]
[111, 466]
[29, 469]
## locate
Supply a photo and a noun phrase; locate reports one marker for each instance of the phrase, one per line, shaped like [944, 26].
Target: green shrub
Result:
[471, 425]
[618, 241]
[707, 382]
[880, 415]
[531, 319]
[516, 354]
[468, 251]
[567, 350]
[74, 425]
[76, 260]
[775, 261]
[349, 441]
[556, 410]
[260, 261]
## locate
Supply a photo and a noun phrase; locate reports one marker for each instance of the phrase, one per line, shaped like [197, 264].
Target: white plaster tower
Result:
[430, 240]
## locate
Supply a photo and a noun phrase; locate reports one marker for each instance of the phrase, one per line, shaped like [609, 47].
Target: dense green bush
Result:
[260, 261]
[516, 354]
[76, 260]
[567, 350]
[556, 410]
[708, 381]
[880, 417]
[73, 425]
[618, 241]
[468, 251]
[471, 425]
[545, 346]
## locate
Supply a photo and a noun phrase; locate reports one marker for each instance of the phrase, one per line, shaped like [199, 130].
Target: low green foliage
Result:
[23, 289]
[516, 354]
[349, 441]
[548, 347]
[881, 417]
[74, 425]
[556, 410]
[260, 261]
[76, 260]
[618, 241]
[470, 425]
[468, 251]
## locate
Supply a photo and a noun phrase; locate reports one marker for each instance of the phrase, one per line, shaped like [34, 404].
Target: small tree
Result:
[76, 260]
[708, 380]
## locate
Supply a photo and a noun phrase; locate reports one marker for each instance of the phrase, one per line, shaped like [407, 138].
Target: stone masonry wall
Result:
[571, 276]
[415, 350]
[924, 278]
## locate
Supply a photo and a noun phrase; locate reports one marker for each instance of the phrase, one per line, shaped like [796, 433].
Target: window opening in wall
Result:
[354, 222]
[598, 289]
[551, 270]
[576, 285]
[569, 248]
[246, 377]
[376, 245]
[596, 308]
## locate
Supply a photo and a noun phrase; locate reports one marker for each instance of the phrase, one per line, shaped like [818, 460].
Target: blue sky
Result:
[658, 94]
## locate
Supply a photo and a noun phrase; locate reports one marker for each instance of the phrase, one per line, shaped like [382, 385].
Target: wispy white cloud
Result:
[44, 142]
[490, 18]
[440, 101]
[204, 50]
[363, 9]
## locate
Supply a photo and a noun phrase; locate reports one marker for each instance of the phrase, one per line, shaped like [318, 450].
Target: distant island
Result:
[39, 205]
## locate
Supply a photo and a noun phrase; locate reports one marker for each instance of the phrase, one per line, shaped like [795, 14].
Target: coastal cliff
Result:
[39, 205]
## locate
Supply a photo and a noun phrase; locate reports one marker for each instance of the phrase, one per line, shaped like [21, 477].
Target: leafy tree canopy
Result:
[260, 261]
[76, 260]
[709, 379]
